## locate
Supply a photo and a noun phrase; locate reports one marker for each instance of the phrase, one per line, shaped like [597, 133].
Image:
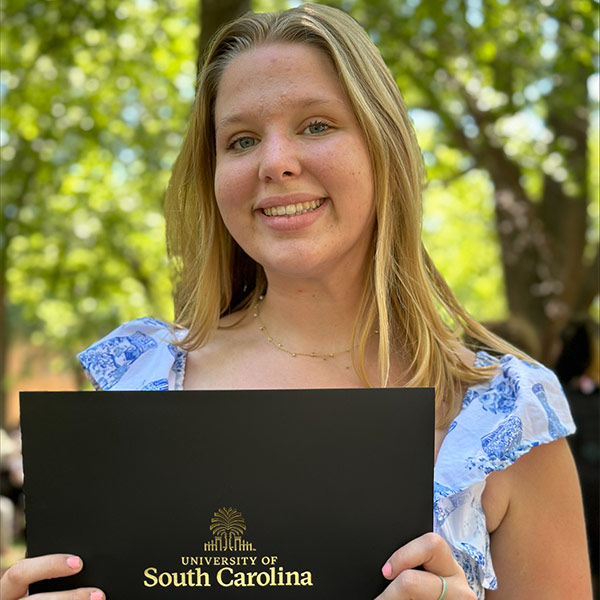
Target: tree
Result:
[95, 96]
[214, 13]
[505, 85]
[95, 100]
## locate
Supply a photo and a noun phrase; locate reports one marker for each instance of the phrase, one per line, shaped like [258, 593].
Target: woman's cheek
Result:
[232, 185]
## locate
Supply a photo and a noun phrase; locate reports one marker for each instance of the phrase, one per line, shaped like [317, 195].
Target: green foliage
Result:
[95, 98]
[594, 186]
[510, 88]
[459, 233]
[270, 5]
[96, 95]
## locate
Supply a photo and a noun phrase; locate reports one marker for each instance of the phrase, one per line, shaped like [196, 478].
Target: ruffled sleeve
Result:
[523, 406]
[139, 355]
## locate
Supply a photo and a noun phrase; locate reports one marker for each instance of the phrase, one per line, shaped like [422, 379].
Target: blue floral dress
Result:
[500, 420]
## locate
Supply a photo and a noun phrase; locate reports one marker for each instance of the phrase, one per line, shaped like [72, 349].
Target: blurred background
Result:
[504, 95]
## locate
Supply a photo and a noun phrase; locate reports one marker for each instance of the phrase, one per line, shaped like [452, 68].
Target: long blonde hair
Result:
[404, 295]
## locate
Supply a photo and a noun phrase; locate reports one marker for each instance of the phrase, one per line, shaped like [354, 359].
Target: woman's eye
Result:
[317, 127]
[242, 143]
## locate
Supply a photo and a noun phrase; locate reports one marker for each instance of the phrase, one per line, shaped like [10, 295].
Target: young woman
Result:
[294, 217]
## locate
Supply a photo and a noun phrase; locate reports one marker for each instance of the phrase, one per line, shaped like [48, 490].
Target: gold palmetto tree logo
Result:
[228, 526]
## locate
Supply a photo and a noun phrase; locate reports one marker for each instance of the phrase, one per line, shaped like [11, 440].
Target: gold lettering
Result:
[220, 578]
[202, 579]
[149, 574]
[191, 577]
[263, 578]
[226, 576]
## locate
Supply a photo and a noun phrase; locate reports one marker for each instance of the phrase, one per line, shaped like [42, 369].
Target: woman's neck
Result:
[310, 315]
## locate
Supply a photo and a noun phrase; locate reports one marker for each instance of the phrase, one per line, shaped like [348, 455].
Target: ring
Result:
[443, 587]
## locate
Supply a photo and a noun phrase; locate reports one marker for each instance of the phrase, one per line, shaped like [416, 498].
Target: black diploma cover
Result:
[227, 494]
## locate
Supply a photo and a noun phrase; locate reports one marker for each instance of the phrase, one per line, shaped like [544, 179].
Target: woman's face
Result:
[293, 178]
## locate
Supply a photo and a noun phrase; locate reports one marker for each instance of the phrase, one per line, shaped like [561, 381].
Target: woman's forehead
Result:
[276, 74]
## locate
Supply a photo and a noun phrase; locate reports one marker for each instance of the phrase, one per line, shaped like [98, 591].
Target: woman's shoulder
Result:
[526, 395]
[138, 355]
[521, 407]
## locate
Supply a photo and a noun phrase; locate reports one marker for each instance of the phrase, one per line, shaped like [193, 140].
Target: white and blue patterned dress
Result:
[521, 407]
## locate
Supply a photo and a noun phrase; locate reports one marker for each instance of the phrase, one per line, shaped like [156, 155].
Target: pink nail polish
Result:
[387, 570]
[97, 595]
[74, 562]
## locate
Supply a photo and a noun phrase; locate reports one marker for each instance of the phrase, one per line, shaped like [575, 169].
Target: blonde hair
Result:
[404, 296]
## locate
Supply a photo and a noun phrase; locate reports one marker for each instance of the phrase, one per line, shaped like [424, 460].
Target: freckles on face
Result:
[286, 135]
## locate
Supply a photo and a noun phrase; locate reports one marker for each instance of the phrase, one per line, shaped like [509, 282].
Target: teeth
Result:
[290, 210]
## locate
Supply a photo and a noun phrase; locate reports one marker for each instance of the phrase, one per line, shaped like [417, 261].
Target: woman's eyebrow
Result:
[298, 103]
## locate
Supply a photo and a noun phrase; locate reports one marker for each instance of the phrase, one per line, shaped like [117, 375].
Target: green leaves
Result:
[506, 88]
[95, 99]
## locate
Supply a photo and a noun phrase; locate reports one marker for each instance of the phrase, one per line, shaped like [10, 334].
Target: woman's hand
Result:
[16, 580]
[407, 583]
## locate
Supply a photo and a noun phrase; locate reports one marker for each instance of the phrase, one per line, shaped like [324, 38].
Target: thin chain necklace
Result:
[281, 347]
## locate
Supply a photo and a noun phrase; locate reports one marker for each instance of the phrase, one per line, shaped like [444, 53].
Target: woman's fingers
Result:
[18, 577]
[429, 550]
[407, 583]
[79, 594]
[417, 585]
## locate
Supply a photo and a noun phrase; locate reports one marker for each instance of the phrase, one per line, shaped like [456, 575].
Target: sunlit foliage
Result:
[504, 95]
[95, 98]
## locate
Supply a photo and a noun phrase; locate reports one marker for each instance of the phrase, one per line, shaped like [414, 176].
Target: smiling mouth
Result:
[291, 210]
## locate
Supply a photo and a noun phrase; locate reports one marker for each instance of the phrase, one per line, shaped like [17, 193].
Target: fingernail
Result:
[97, 595]
[74, 562]
[387, 570]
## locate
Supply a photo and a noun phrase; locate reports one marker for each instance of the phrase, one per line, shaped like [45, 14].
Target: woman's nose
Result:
[279, 159]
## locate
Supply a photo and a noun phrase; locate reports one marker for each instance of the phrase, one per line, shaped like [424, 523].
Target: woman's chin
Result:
[311, 265]
[293, 268]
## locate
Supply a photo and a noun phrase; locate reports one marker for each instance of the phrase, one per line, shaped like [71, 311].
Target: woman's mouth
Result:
[291, 210]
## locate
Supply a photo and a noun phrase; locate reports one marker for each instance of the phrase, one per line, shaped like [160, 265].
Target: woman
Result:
[302, 174]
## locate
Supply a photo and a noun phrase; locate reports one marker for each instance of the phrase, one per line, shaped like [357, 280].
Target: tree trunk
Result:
[214, 14]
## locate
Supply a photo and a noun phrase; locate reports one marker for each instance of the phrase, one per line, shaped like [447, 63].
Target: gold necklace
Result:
[281, 347]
